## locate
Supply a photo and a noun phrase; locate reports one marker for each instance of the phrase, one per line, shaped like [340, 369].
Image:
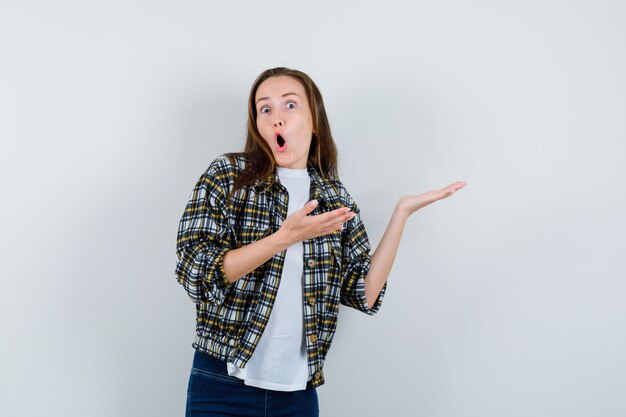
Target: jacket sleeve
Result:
[204, 237]
[356, 261]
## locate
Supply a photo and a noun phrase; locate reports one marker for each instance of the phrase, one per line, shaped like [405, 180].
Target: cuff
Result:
[216, 277]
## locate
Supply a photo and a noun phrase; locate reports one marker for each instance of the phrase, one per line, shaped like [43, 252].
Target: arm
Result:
[384, 256]
[355, 265]
[294, 229]
[204, 236]
[239, 262]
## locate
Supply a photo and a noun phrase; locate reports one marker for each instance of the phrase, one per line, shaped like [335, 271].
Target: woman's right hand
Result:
[299, 226]
[295, 228]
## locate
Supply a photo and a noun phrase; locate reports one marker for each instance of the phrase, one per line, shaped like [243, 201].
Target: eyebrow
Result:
[286, 94]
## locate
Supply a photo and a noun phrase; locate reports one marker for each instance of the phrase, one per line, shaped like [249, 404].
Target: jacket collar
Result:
[319, 189]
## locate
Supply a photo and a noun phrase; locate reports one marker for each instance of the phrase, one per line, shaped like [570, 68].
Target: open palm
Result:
[412, 203]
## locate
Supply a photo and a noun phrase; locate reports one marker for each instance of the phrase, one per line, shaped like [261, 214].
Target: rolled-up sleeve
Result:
[204, 237]
[356, 262]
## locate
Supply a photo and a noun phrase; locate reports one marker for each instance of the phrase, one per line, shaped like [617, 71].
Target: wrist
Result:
[401, 211]
[280, 240]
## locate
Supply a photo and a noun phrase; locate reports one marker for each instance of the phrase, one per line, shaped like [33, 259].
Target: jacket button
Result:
[311, 301]
[239, 244]
[311, 263]
[317, 375]
[313, 338]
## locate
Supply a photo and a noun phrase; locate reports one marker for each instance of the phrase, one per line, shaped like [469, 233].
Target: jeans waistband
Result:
[209, 363]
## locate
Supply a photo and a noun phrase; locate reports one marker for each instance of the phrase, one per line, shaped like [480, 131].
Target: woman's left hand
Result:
[409, 204]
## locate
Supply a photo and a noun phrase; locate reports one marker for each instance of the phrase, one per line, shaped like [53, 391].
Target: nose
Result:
[279, 120]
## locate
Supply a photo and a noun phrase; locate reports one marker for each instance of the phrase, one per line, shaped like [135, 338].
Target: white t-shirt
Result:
[279, 361]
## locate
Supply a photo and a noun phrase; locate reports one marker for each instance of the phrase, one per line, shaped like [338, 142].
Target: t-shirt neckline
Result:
[292, 173]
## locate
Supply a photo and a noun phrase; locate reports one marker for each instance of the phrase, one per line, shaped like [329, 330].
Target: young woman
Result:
[270, 244]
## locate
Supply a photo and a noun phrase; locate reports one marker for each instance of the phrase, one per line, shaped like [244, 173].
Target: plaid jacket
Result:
[232, 316]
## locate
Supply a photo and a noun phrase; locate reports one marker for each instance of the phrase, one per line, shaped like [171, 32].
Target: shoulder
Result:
[226, 167]
[220, 175]
[227, 164]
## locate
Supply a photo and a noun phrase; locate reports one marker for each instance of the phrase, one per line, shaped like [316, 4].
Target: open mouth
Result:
[281, 142]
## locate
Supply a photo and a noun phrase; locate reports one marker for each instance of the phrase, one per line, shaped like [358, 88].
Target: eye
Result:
[289, 104]
[262, 110]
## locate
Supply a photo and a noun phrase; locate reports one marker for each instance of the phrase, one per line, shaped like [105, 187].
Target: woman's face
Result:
[284, 120]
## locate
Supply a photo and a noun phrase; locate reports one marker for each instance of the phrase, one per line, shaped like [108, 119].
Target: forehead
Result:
[275, 87]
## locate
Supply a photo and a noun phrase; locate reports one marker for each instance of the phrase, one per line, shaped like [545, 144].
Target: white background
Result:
[507, 299]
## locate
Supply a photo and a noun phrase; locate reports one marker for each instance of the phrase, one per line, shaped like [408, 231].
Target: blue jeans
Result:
[212, 392]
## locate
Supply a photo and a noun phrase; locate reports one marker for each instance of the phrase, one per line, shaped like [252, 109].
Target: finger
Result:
[331, 228]
[308, 207]
[330, 221]
[447, 192]
[453, 188]
[450, 189]
[456, 185]
[339, 215]
[338, 224]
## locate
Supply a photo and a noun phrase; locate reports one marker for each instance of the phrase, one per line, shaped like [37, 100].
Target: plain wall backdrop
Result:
[507, 299]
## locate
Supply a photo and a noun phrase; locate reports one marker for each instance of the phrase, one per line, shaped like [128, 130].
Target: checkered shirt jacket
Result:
[231, 317]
